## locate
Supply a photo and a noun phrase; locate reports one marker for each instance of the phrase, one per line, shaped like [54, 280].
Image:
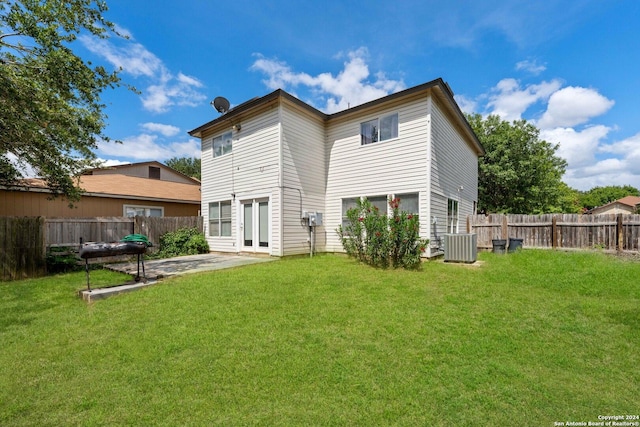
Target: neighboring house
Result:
[268, 162]
[147, 189]
[626, 205]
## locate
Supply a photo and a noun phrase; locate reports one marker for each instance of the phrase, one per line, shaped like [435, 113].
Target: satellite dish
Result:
[220, 104]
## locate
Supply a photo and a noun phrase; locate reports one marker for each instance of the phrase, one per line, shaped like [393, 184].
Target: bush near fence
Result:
[611, 232]
[25, 241]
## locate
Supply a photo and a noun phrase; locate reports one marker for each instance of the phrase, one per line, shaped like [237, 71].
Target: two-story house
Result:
[270, 161]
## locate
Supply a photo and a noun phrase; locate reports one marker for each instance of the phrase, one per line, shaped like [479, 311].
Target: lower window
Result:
[220, 219]
[132, 210]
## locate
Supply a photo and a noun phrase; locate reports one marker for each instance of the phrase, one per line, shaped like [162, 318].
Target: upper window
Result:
[220, 219]
[379, 129]
[222, 144]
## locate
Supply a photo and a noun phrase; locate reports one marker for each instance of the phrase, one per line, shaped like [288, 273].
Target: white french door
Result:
[255, 225]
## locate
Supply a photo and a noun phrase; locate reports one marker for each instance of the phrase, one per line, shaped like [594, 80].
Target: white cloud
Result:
[578, 148]
[165, 130]
[626, 146]
[159, 98]
[352, 86]
[466, 104]
[145, 147]
[133, 58]
[509, 100]
[164, 90]
[530, 66]
[568, 121]
[111, 162]
[572, 106]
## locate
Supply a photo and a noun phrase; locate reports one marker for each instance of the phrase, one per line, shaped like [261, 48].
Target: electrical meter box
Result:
[315, 219]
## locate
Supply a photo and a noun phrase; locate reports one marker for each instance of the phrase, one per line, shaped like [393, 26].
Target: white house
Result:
[270, 161]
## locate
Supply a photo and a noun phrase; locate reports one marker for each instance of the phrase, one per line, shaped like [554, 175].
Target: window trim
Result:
[379, 119]
[145, 207]
[221, 137]
[220, 218]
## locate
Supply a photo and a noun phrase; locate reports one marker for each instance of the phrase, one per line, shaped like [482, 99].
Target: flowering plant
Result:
[381, 240]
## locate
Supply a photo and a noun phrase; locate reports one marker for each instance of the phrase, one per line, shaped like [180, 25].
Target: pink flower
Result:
[409, 216]
[360, 219]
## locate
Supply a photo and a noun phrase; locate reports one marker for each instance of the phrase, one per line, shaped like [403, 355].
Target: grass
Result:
[529, 338]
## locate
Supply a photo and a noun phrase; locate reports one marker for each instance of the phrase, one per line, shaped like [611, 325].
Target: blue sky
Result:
[570, 67]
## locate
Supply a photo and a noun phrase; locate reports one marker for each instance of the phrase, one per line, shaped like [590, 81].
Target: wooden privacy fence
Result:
[614, 232]
[22, 247]
[24, 241]
[71, 231]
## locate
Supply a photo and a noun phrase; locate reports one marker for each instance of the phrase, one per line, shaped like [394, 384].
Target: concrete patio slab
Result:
[160, 268]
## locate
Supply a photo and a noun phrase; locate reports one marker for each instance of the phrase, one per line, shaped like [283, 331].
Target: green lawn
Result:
[530, 338]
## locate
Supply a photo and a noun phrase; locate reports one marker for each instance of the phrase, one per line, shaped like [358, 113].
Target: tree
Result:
[599, 196]
[50, 112]
[189, 166]
[519, 173]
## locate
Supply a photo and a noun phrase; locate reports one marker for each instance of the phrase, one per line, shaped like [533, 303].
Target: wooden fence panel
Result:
[631, 233]
[570, 231]
[487, 228]
[587, 231]
[70, 231]
[22, 247]
[536, 231]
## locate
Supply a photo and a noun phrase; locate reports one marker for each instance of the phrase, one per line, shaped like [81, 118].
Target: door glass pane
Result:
[248, 224]
[263, 228]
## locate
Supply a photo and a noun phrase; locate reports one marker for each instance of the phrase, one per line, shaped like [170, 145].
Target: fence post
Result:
[619, 232]
[554, 232]
[505, 227]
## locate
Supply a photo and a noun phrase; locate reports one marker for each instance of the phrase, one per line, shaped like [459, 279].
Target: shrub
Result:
[184, 241]
[381, 240]
[61, 260]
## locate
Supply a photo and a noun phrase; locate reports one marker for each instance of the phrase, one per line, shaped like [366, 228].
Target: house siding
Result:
[454, 163]
[303, 162]
[250, 171]
[382, 168]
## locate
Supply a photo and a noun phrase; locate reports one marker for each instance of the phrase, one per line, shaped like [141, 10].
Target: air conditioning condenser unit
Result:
[460, 248]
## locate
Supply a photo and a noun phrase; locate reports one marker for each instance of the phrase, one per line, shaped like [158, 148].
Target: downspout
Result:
[429, 189]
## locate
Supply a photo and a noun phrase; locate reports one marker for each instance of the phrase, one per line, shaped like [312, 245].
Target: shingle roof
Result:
[123, 186]
[629, 201]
